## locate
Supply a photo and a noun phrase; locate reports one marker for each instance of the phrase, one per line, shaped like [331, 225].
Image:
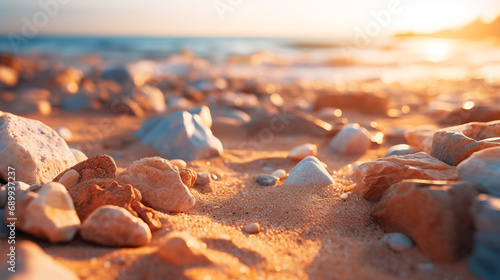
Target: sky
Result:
[246, 18]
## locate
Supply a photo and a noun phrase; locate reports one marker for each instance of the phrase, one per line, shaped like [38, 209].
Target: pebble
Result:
[181, 248]
[69, 178]
[111, 225]
[401, 149]
[398, 242]
[150, 98]
[159, 183]
[77, 102]
[35, 150]
[351, 140]
[79, 155]
[375, 177]
[421, 137]
[119, 74]
[309, 171]
[303, 151]
[483, 169]
[280, 173]
[266, 180]
[251, 228]
[344, 196]
[179, 163]
[368, 103]
[65, 133]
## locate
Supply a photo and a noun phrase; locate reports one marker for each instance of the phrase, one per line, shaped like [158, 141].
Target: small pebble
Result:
[344, 196]
[280, 173]
[203, 178]
[398, 242]
[70, 178]
[266, 180]
[251, 228]
[179, 163]
[303, 151]
[65, 133]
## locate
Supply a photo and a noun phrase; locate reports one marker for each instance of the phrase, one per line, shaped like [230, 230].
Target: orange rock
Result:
[101, 166]
[434, 214]
[188, 176]
[181, 248]
[375, 177]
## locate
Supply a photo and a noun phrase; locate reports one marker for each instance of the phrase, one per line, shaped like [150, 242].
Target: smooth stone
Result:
[118, 74]
[302, 151]
[400, 150]
[114, 226]
[100, 166]
[79, 155]
[65, 133]
[266, 180]
[434, 214]
[50, 214]
[251, 228]
[375, 177]
[159, 183]
[181, 249]
[69, 179]
[475, 114]
[229, 116]
[344, 196]
[351, 140]
[179, 163]
[309, 171]
[421, 137]
[150, 98]
[398, 242]
[368, 103]
[454, 144]
[32, 263]
[204, 178]
[181, 135]
[92, 194]
[483, 169]
[35, 150]
[280, 173]
[77, 102]
[188, 177]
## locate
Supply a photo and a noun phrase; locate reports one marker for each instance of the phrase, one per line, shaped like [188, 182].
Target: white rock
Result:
[251, 228]
[115, 226]
[398, 242]
[483, 169]
[303, 151]
[309, 171]
[70, 178]
[79, 155]
[351, 140]
[65, 133]
[280, 173]
[34, 150]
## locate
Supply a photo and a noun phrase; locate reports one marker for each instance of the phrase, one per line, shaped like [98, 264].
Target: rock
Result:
[118, 74]
[65, 133]
[150, 98]
[8, 77]
[101, 166]
[280, 173]
[483, 169]
[181, 135]
[229, 116]
[159, 183]
[203, 178]
[266, 180]
[375, 177]
[50, 215]
[181, 249]
[79, 155]
[34, 150]
[486, 252]
[251, 228]
[435, 215]
[92, 194]
[127, 106]
[367, 103]
[32, 263]
[478, 113]
[400, 150]
[421, 137]
[351, 140]
[179, 163]
[188, 177]
[114, 226]
[69, 178]
[454, 144]
[303, 151]
[309, 171]
[398, 242]
[77, 102]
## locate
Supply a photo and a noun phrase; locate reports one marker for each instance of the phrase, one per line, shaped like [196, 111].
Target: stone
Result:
[188, 177]
[266, 180]
[182, 249]
[280, 173]
[34, 150]
[69, 178]
[454, 144]
[77, 102]
[351, 140]
[421, 137]
[368, 103]
[375, 177]
[150, 98]
[434, 214]
[203, 178]
[179, 163]
[101, 166]
[65, 133]
[111, 225]
[303, 151]
[127, 106]
[32, 263]
[400, 150]
[229, 116]
[118, 74]
[79, 155]
[344, 196]
[50, 214]
[398, 242]
[486, 252]
[309, 171]
[159, 183]
[483, 169]
[478, 113]
[181, 135]
[251, 228]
